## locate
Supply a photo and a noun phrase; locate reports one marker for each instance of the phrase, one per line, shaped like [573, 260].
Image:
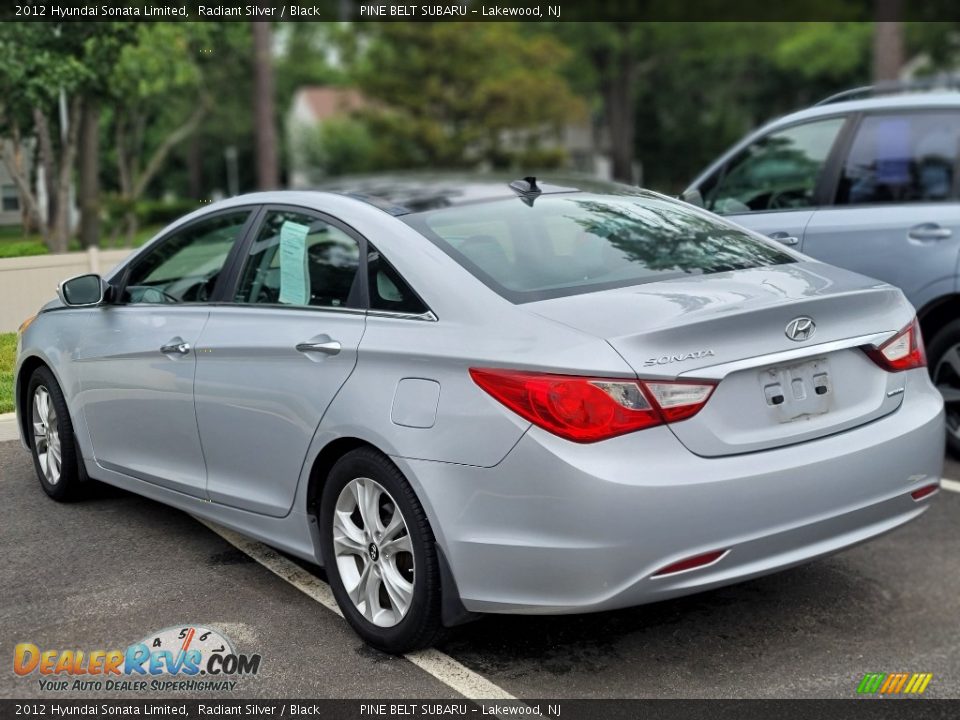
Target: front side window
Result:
[184, 267]
[779, 171]
[902, 158]
[300, 260]
[566, 244]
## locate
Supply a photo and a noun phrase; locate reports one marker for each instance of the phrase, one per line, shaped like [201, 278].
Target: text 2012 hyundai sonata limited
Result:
[485, 397]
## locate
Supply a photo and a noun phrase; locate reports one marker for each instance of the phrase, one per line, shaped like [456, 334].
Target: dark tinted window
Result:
[902, 158]
[568, 244]
[298, 259]
[389, 291]
[185, 266]
[779, 171]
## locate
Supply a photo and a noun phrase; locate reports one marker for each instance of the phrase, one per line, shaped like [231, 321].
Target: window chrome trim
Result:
[719, 372]
[428, 316]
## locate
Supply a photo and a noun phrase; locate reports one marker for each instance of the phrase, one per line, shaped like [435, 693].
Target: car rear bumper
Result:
[559, 527]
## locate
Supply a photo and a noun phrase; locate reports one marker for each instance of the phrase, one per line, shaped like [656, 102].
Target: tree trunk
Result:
[263, 107]
[619, 76]
[16, 164]
[888, 50]
[60, 231]
[195, 168]
[89, 171]
[47, 163]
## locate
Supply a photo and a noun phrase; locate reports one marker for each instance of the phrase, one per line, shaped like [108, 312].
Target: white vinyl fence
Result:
[27, 283]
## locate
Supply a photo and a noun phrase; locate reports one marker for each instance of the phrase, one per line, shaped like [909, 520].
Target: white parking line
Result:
[441, 666]
[951, 485]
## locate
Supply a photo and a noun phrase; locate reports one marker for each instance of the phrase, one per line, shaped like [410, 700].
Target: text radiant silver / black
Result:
[477, 397]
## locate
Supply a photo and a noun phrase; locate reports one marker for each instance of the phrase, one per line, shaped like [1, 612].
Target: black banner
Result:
[472, 10]
[856, 709]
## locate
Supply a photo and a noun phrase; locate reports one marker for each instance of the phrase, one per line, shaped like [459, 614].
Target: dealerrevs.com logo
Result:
[188, 658]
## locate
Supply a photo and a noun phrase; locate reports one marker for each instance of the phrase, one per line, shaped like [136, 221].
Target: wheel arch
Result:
[27, 368]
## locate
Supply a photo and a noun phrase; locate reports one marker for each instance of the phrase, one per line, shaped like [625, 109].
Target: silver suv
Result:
[867, 180]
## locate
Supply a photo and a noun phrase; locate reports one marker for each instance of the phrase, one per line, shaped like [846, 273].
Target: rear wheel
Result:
[52, 443]
[379, 553]
[943, 355]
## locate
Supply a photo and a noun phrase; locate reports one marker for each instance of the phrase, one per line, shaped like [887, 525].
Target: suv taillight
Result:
[588, 409]
[904, 351]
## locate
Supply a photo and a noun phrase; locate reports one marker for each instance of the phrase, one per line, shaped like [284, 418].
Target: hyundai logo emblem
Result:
[801, 328]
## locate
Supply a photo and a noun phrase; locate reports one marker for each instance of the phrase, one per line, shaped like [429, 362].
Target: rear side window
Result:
[389, 291]
[902, 158]
[575, 243]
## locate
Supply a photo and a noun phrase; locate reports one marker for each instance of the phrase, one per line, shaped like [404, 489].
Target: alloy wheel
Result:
[374, 552]
[946, 376]
[46, 435]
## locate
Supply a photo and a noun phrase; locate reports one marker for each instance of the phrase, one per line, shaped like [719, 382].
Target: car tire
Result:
[944, 346]
[371, 583]
[52, 442]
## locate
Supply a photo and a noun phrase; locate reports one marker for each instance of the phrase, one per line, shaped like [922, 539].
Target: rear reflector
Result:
[904, 351]
[690, 563]
[588, 409]
[924, 491]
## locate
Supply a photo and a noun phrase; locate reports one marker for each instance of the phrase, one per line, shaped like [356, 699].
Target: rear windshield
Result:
[569, 244]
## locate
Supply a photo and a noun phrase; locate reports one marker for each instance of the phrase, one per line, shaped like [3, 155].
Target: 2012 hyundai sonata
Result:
[483, 397]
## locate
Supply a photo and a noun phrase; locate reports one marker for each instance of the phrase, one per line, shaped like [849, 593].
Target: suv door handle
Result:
[784, 238]
[176, 348]
[330, 347]
[929, 231]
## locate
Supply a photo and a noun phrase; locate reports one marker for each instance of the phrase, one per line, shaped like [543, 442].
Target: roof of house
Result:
[325, 102]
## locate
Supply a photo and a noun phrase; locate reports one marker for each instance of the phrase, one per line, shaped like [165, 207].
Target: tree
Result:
[43, 67]
[449, 94]
[159, 98]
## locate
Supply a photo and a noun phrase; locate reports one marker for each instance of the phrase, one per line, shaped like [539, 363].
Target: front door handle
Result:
[929, 231]
[330, 347]
[785, 238]
[176, 347]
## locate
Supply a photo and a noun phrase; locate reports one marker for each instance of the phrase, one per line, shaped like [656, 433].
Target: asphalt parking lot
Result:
[107, 571]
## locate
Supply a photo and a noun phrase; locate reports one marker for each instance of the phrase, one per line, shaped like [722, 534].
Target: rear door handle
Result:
[176, 347]
[929, 231]
[330, 347]
[785, 238]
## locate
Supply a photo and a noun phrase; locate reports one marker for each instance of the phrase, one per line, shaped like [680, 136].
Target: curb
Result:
[7, 416]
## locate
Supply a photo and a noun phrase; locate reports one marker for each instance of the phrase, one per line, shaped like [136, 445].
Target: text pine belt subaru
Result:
[474, 396]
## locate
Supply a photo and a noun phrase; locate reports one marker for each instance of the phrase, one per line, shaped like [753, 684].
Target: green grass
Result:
[13, 243]
[8, 351]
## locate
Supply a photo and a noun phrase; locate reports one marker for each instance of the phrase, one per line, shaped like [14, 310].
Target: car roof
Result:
[901, 101]
[410, 193]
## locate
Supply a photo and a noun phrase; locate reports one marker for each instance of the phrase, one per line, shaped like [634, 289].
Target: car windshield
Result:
[567, 244]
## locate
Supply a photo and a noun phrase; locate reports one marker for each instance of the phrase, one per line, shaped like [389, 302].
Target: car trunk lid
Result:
[731, 328]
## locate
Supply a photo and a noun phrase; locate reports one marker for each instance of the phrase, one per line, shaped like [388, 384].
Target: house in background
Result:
[311, 107]
[10, 210]
[582, 144]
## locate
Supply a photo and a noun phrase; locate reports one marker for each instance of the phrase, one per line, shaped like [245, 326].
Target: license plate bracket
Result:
[797, 391]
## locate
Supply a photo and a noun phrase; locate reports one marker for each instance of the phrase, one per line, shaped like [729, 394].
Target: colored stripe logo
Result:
[894, 683]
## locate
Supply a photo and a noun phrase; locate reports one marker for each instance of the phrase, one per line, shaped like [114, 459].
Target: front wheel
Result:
[379, 553]
[52, 443]
[943, 357]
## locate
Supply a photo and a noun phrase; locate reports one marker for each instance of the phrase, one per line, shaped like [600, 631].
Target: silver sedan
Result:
[470, 396]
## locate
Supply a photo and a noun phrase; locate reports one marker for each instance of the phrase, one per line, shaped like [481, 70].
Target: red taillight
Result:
[697, 561]
[924, 491]
[588, 409]
[904, 351]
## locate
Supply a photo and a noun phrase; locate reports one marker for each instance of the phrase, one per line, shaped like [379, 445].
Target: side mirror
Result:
[83, 291]
[693, 197]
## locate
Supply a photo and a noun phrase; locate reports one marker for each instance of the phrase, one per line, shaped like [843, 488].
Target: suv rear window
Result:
[576, 243]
